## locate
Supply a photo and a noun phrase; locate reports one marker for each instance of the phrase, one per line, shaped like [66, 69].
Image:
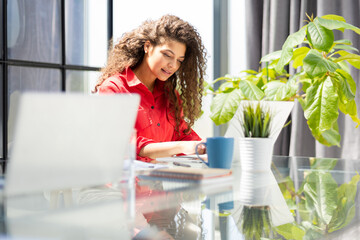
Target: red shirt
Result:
[153, 122]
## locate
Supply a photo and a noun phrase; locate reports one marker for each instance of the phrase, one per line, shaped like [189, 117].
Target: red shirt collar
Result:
[131, 78]
[133, 81]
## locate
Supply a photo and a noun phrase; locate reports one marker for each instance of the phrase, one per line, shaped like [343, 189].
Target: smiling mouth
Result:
[166, 72]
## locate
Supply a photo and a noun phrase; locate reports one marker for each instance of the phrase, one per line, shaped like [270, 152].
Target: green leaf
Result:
[287, 186]
[336, 24]
[330, 137]
[303, 210]
[271, 56]
[320, 37]
[292, 40]
[323, 163]
[334, 17]
[279, 91]
[345, 47]
[345, 211]
[321, 108]
[250, 90]
[253, 72]
[344, 66]
[342, 217]
[346, 86]
[226, 87]
[224, 106]
[268, 73]
[351, 58]
[315, 64]
[311, 234]
[271, 89]
[348, 190]
[319, 189]
[305, 80]
[351, 109]
[299, 55]
[208, 87]
[290, 231]
[343, 41]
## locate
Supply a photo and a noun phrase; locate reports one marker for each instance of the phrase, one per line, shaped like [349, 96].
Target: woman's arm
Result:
[168, 149]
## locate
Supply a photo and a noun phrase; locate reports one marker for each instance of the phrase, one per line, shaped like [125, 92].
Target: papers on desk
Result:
[139, 165]
[190, 175]
[185, 160]
[182, 159]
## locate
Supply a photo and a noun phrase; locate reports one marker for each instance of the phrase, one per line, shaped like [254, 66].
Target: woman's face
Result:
[164, 59]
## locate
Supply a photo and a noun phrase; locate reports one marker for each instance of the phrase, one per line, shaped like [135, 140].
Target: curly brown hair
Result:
[188, 80]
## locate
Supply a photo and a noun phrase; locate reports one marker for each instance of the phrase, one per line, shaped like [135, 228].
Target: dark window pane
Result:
[1, 30]
[34, 30]
[33, 79]
[86, 32]
[1, 113]
[23, 79]
[81, 81]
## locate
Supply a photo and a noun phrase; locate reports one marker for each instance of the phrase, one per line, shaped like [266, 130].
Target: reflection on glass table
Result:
[301, 198]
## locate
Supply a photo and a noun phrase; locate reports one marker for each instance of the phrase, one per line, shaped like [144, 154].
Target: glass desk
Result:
[300, 198]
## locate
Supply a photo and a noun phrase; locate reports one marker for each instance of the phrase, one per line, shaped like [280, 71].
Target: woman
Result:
[164, 62]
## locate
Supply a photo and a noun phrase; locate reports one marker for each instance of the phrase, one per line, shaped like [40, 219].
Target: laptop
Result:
[64, 140]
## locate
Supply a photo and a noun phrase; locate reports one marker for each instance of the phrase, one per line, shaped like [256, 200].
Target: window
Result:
[60, 45]
[86, 32]
[1, 110]
[49, 45]
[1, 30]
[81, 81]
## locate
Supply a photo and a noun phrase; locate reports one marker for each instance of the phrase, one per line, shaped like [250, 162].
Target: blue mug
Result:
[219, 151]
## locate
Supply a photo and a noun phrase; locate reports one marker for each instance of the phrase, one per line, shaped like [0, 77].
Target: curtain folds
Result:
[269, 22]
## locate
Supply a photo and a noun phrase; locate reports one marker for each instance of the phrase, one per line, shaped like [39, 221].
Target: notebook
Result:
[69, 140]
[190, 175]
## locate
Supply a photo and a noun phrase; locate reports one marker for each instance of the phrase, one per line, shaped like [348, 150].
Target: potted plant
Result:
[256, 144]
[323, 84]
[255, 127]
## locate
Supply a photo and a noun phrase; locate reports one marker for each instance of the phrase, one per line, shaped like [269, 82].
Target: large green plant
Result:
[323, 83]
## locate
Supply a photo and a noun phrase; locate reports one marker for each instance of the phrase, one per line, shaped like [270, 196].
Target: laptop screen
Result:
[69, 140]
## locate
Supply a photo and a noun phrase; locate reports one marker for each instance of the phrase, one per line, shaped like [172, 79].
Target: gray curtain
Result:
[269, 23]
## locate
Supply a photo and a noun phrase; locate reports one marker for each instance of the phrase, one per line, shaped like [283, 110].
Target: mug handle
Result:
[197, 154]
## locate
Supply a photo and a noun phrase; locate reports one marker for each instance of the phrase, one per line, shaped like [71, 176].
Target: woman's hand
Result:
[189, 147]
[168, 149]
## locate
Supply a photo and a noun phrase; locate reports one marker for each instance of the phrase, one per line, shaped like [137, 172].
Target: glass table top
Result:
[300, 198]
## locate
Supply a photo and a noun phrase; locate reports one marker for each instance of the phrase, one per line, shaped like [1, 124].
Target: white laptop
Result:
[69, 140]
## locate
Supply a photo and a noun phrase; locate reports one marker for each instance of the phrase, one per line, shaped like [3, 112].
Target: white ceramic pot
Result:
[280, 111]
[256, 154]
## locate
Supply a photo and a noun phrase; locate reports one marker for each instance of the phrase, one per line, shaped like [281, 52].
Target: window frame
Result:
[5, 62]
